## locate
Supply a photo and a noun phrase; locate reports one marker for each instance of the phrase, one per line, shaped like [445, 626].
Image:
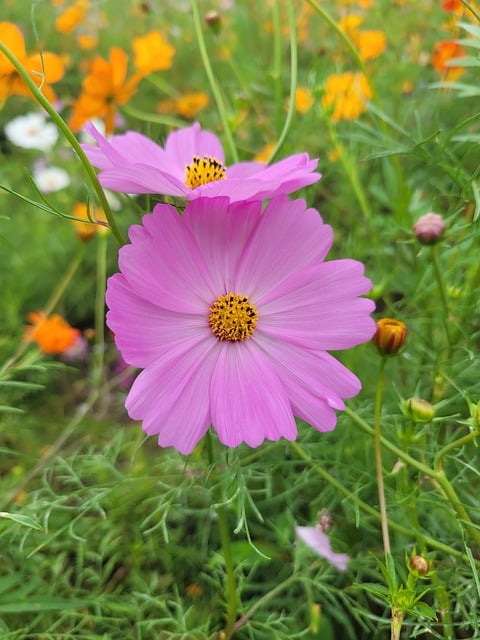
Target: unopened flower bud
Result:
[419, 565]
[419, 410]
[390, 336]
[214, 20]
[429, 228]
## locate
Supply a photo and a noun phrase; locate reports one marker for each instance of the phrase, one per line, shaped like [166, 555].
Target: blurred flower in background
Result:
[32, 131]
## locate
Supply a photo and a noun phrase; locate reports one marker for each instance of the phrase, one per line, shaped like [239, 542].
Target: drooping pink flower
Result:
[192, 165]
[319, 541]
[230, 312]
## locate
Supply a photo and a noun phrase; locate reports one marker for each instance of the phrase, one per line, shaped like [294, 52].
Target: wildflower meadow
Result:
[240, 322]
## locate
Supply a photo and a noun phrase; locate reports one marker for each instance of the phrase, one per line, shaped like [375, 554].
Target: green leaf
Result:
[25, 521]
[41, 603]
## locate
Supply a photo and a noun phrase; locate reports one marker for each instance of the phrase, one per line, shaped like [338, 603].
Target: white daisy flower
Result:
[51, 179]
[32, 131]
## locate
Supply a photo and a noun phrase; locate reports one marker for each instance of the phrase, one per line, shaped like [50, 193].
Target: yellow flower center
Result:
[233, 317]
[203, 170]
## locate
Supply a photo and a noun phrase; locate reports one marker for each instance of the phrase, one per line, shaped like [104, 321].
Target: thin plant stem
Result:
[441, 292]
[72, 140]
[293, 82]
[378, 456]
[230, 582]
[213, 83]
[101, 279]
[437, 463]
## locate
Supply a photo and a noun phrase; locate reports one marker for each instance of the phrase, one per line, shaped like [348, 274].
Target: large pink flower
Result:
[230, 312]
[192, 165]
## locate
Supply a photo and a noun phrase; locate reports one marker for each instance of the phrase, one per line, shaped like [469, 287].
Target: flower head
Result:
[31, 131]
[44, 69]
[52, 333]
[88, 222]
[429, 228]
[390, 336]
[50, 179]
[230, 312]
[152, 53]
[192, 165]
[443, 54]
[347, 95]
[104, 89]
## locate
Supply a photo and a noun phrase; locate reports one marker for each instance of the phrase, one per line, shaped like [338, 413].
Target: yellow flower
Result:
[390, 336]
[104, 89]
[44, 69]
[86, 41]
[67, 21]
[303, 100]
[53, 334]
[152, 53]
[370, 44]
[346, 94]
[187, 106]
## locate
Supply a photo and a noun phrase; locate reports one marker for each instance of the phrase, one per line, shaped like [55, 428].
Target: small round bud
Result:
[390, 336]
[419, 410]
[214, 20]
[429, 228]
[419, 565]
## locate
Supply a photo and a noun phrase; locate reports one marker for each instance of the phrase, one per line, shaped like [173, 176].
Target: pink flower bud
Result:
[429, 228]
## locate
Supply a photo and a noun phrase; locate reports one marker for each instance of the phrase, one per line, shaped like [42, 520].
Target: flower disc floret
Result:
[202, 171]
[232, 317]
[230, 311]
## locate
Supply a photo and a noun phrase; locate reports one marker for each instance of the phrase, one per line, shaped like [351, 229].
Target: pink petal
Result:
[288, 238]
[144, 332]
[172, 396]
[318, 540]
[182, 145]
[138, 178]
[248, 402]
[165, 265]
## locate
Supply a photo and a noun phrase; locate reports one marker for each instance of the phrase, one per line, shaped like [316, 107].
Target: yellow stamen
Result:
[233, 317]
[203, 170]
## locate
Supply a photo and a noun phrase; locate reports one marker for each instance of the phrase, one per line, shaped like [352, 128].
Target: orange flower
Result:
[152, 53]
[370, 44]
[86, 41]
[104, 89]
[390, 336]
[187, 106]
[443, 52]
[95, 222]
[44, 68]
[303, 100]
[72, 17]
[347, 94]
[53, 334]
[264, 154]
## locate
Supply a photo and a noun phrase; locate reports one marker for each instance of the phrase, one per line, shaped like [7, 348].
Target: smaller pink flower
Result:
[191, 165]
[318, 540]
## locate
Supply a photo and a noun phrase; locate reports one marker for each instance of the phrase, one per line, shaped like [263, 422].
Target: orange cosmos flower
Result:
[103, 90]
[390, 336]
[72, 17]
[152, 53]
[53, 334]
[346, 94]
[443, 52]
[44, 68]
[370, 44]
[187, 106]
[95, 221]
[303, 100]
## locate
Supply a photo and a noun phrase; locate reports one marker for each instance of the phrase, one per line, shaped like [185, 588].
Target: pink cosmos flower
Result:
[319, 541]
[229, 312]
[190, 166]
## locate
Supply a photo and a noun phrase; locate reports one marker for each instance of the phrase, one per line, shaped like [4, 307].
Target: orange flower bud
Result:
[390, 336]
[419, 565]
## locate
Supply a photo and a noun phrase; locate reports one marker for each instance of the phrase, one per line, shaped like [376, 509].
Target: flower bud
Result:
[390, 336]
[429, 228]
[419, 410]
[214, 20]
[419, 565]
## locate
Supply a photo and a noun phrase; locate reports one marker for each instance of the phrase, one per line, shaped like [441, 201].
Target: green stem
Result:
[441, 292]
[213, 83]
[293, 82]
[62, 125]
[378, 457]
[437, 476]
[230, 583]
[437, 464]
[101, 281]
[430, 542]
